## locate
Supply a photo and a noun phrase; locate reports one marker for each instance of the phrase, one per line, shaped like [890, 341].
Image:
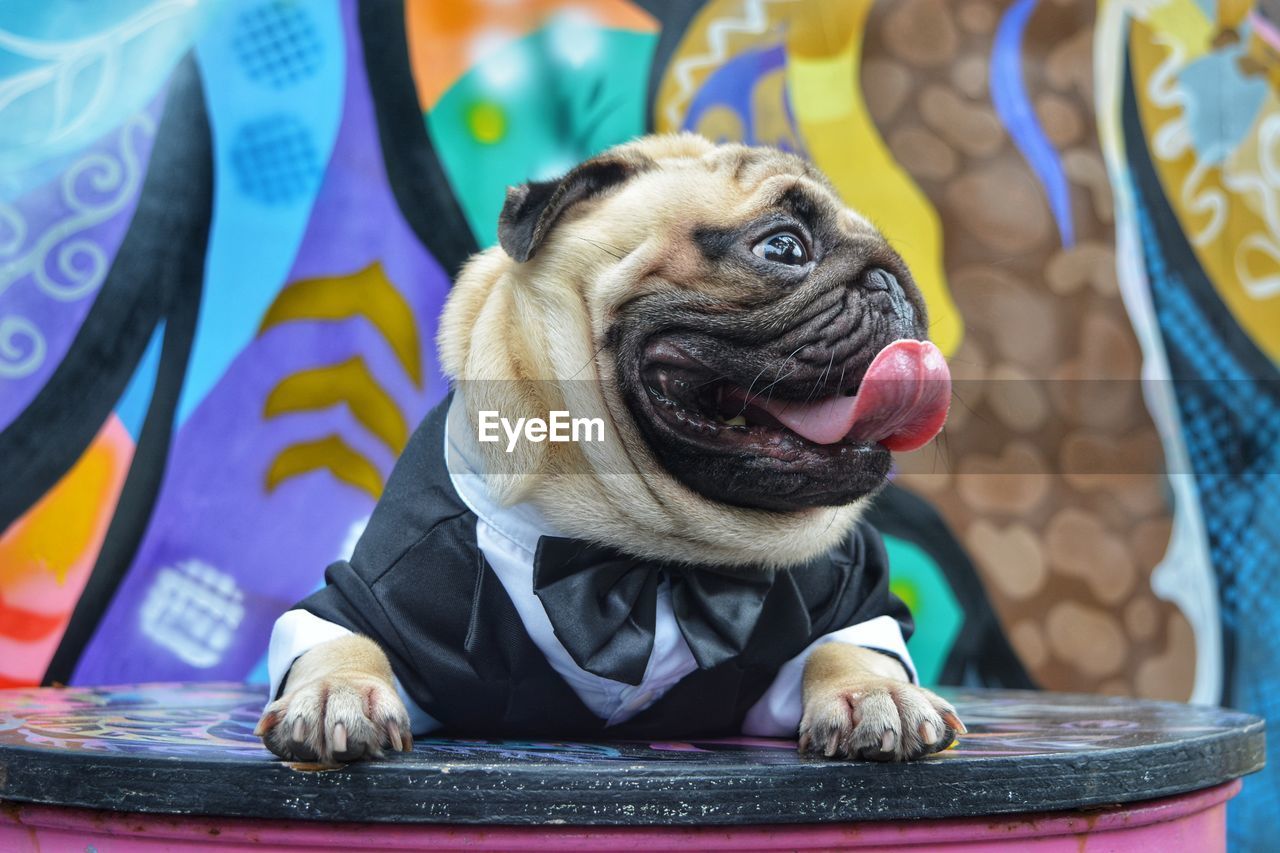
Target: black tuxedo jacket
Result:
[419, 585]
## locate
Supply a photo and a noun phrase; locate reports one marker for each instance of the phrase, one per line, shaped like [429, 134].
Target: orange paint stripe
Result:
[446, 35]
[27, 626]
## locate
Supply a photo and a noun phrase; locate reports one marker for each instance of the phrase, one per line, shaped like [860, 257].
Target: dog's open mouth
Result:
[900, 402]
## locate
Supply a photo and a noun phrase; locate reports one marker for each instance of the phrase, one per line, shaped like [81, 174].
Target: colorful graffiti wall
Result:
[227, 228]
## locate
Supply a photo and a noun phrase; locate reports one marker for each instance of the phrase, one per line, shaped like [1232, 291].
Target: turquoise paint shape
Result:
[74, 71]
[259, 675]
[917, 579]
[136, 399]
[1222, 104]
[262, 198]
[553, 111]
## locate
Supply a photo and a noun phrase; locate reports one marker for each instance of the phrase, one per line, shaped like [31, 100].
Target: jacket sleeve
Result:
[865, 614]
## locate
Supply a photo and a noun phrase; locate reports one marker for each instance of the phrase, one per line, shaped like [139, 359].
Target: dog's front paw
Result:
[877, 719]
[334, 719]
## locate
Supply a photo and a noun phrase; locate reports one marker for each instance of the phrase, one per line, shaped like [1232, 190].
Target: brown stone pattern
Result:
[1023, 472]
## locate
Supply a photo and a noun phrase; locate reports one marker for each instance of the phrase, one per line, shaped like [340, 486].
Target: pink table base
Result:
[1196, 821]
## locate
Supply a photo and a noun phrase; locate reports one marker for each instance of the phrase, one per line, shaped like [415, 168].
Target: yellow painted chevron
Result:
[331, 454]
[368, 293]
[349, 382]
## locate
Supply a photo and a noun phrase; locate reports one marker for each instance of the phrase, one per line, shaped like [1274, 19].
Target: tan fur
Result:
[858, 703]
[540, 325]
[338, 704]
[520, 339]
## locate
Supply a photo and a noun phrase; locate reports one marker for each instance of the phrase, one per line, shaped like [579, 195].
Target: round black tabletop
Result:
[189, 749]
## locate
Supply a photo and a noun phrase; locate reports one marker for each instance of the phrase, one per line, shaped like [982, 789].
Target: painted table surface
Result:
[189, 749]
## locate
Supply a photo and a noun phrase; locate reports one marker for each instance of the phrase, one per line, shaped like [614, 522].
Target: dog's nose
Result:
[878, 279]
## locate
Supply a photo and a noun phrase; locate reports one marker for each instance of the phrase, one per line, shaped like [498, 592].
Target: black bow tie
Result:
[603, 606]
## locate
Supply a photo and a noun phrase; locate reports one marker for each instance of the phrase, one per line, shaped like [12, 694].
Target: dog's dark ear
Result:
[531, 209]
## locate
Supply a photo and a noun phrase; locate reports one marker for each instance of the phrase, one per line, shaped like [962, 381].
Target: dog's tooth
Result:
[737, 420]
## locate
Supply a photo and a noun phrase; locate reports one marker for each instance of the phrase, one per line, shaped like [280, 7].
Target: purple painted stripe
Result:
[56, 245]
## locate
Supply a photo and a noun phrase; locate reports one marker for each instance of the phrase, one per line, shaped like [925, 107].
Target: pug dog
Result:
[752, 352]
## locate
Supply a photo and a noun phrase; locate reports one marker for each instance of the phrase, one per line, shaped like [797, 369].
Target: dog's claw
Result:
[878, 719]
[339, 738]
[336, 719]
[953, 722]
[268, 722]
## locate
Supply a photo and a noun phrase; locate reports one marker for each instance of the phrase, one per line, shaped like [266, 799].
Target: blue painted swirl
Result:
[1009, 95]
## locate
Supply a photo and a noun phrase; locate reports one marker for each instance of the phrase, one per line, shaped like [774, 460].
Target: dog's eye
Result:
[784, 248]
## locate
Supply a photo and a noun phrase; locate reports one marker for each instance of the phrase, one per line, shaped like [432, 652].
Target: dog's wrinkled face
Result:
[729, 391]
[766, 344]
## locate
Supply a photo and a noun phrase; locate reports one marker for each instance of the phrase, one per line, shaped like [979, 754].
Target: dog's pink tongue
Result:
[901, 403]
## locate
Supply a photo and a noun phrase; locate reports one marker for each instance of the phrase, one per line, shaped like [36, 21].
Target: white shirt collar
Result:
[522, 523]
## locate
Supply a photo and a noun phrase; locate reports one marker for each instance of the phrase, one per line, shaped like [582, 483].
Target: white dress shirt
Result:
[508, 538]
